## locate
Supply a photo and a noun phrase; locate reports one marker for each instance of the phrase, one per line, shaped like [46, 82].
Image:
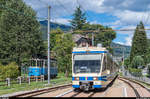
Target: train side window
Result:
[108, 63]
[104, 64]
[112, 66]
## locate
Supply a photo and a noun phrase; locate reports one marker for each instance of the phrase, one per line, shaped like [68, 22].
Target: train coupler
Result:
[85, 86]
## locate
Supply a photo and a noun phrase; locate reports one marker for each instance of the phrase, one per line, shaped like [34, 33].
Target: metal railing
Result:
[127, 74]
[20, 80]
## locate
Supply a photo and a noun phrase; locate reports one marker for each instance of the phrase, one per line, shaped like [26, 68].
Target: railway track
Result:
[139, 89]
[91, 93]
[67, 91]
[42, 91]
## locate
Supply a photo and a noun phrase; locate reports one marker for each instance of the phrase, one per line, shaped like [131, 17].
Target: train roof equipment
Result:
[78, 50]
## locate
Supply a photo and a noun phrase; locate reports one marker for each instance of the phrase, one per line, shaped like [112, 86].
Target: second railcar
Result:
[39, 67]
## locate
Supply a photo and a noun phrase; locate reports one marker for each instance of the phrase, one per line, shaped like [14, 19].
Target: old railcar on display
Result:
[92, 68]
[39, 67]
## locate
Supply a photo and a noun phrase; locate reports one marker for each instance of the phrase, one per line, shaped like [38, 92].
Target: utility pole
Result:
[123, 63]
[48, 36]
[123, 55]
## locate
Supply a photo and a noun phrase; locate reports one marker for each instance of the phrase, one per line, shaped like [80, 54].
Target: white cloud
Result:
[94, 22]
[132, 18]
[61, 20]
[121, 43]
[129, 40]
[128, 12]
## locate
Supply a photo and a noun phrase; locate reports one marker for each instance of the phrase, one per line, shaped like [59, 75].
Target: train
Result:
[92, 68]
[39, 67]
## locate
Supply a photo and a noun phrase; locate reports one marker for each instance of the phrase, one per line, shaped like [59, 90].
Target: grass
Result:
[59, 80]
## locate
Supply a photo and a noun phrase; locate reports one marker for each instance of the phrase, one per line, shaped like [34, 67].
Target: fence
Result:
[142, 78]
[20, 80]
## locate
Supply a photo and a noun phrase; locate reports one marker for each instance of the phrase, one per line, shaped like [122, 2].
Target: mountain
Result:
[118, 50]
[52, 26]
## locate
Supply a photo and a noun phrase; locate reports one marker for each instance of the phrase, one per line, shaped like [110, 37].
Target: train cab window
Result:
[86, 66]
[87, 63]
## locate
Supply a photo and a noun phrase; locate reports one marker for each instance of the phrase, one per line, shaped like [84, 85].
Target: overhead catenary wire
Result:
[56, 13]
[147, 19]
[87, 14]
[98, 31]
[44, 3]
[10, 9]
[25, 14]
[83, 8]
[145, 10]
[107, 24]
[63, 7]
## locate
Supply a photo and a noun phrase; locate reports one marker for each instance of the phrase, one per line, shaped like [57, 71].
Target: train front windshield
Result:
[87, 63]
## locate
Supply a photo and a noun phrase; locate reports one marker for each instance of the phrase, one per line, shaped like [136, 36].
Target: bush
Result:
[135, 72]
[9, 71]
[127, 63]
[148, 75]
[137, 61]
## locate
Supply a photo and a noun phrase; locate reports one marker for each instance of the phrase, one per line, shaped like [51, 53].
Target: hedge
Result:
[135, 72]
[9, 71]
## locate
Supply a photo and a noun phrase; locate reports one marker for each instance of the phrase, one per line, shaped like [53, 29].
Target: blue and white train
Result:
[92, 68]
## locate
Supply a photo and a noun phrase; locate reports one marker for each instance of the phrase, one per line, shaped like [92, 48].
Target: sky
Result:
[118, 14]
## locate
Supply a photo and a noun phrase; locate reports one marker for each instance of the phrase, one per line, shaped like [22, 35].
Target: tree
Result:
[9, 71]
[127, 62]
[139, 43]
[148, 56]
[2, 4]
[20, 36]
[137, 61]
[148, 53]
[79, 19]
[53, 37]
[104, 36]
[148, 68]
[63, 50]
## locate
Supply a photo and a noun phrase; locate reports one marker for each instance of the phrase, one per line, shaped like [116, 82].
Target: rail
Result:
[136, 92]
[129, 81]
[41, 91]
[137, 82]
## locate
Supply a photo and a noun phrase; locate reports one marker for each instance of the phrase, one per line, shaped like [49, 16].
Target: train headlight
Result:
[76, 78]
[95, 78]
